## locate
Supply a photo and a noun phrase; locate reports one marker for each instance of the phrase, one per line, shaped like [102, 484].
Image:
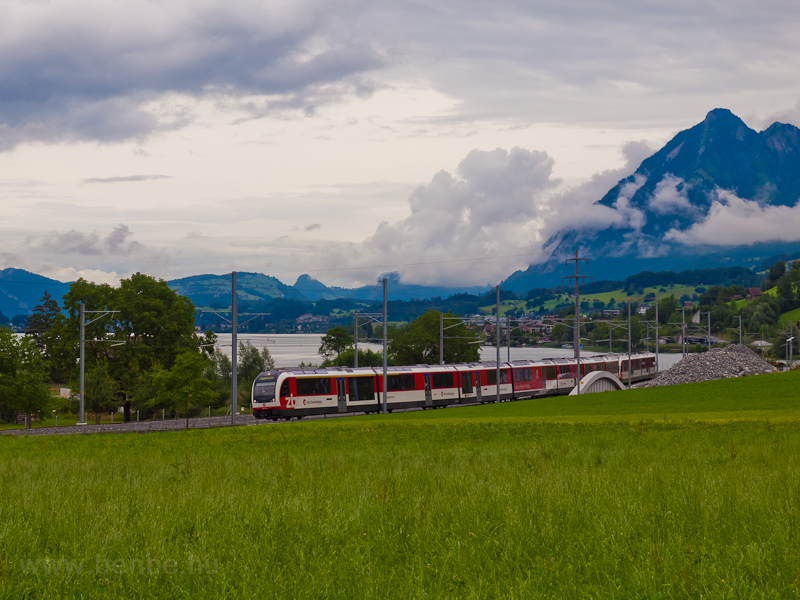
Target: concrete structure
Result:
[599, 381]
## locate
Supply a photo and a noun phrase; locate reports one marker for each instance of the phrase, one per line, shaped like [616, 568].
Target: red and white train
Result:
[283, 394]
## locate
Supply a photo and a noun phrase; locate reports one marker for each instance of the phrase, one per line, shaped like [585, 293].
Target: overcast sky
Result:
[445, 139]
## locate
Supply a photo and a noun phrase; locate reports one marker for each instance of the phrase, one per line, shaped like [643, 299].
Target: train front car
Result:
[266, 397]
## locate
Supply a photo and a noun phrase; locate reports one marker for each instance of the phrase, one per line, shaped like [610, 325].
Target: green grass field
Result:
[684, 492]
[792, 315]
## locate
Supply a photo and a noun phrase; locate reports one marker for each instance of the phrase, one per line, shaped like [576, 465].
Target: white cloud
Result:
[493, 207]
[670, 196]
[732, 221]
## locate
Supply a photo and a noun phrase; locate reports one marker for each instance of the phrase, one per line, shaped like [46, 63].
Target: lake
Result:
[290, 349]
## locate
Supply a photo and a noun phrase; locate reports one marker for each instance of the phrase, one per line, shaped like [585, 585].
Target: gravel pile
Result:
[735, 360]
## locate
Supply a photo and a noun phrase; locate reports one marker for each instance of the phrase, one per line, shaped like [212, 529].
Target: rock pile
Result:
[735, 360]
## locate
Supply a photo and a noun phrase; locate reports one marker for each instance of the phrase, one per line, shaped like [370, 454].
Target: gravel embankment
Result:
[735, 360]
[136, 426]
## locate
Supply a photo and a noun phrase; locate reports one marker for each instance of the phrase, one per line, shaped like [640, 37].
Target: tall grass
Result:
[385, 509]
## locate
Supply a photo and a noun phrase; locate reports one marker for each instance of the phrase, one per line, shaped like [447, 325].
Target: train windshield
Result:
[264, 392]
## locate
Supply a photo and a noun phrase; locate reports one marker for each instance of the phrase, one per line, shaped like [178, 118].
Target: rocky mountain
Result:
[663, 209]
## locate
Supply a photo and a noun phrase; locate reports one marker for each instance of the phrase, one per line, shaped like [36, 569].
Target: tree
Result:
[666, 307]
[366, 358]
[784, 288]
[776, 271]
[40, 328]
[334, 342]
[251, 362]
[101, 390]
[152, 326]
[560, 333]
[183, 385]
[418, 342]
[22, 377]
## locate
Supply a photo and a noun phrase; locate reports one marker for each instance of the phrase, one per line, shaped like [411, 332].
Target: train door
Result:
[341, 392]
[428, 394]
[477, 385]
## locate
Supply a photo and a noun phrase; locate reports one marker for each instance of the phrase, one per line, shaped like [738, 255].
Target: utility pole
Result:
[441, 338]
[385, 328]
[630, 364]
[577, 329]
[81, 420]
[508, 328]
[657, 336]
[497, 340]
[740, 330]
[355, 338]
[709, 330]
[683, 332]
[234, 342]
[83, 311]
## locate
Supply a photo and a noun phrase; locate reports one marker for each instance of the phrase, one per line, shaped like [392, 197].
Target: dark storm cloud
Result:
[85, 69]
[82, 70]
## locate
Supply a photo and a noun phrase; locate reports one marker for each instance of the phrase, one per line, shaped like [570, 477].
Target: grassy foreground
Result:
[428, 506]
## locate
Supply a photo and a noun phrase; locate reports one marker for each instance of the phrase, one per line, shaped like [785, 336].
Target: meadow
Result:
[683, 492]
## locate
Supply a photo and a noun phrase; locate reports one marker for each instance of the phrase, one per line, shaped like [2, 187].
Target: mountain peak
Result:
[723, 116]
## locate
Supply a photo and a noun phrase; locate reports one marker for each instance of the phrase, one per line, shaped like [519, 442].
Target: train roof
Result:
[520, 363]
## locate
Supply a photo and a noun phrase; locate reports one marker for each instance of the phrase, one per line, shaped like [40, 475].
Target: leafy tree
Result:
[335, 342]
[101, 390]
[561, 333]
[418, 342]
[366, 358]
[666, 308]
[776, 271]
[152, 327]
[22, 377]
[220, 373]
[785, 289]
[251, 362]
[4, 320]
[40, 328]
[183, 385]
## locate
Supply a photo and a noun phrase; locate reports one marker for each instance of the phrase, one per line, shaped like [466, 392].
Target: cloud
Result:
[125, 179]
[82, 69]
[116, 243]
[491, 207]
[733, 221]
[313, 227]
[670, 196]
[92, 70]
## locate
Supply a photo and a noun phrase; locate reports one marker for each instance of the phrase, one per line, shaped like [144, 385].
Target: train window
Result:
[550, 373]
[523, 375]
[285, 388]
[491, 377]
[314, 386]
[400, 383]
[264, 392]
[466, 383]
[564, 371]
[361, 388]
[442, 380]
